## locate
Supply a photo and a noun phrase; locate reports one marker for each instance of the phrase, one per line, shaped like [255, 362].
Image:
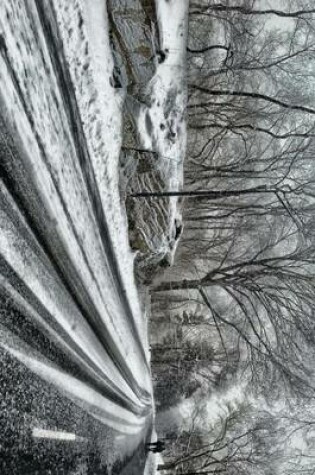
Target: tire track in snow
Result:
[23, 251]
[50, 28]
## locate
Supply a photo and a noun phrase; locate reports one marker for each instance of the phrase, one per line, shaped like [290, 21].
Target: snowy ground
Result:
[91, 66]
[162, 124]
[153, 460]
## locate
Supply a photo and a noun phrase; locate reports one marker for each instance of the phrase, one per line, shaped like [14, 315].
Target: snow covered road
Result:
[66, 272]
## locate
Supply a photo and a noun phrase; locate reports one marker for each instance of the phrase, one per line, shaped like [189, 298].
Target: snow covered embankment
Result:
[162, 129]
[60, 153]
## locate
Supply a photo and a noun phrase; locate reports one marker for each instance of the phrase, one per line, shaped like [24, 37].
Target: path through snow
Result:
[162, 125]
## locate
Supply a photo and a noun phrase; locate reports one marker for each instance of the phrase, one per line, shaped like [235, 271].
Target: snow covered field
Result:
[162, 124]
[162, 131]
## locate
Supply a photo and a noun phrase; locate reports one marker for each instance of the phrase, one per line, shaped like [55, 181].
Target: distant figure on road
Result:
[156, 447]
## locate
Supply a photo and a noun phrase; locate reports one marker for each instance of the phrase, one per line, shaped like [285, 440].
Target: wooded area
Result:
[237, 308]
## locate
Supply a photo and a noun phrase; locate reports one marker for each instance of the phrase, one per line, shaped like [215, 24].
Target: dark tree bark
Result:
[253, 95]
[214, 195]
[249, 11]
[208, 48]
[254, 128]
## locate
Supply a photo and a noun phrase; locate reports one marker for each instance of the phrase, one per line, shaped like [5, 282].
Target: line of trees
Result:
[249, 439]
[250, 185]
[248, 249]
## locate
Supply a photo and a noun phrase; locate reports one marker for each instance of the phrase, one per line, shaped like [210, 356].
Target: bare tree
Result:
[247, 251]
[236, 444]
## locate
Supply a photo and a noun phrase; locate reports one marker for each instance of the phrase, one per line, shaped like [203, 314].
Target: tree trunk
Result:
[253, 95]
[170, 466]
[214, 195]
[208, 48]
[249, 11]
[178, 285]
